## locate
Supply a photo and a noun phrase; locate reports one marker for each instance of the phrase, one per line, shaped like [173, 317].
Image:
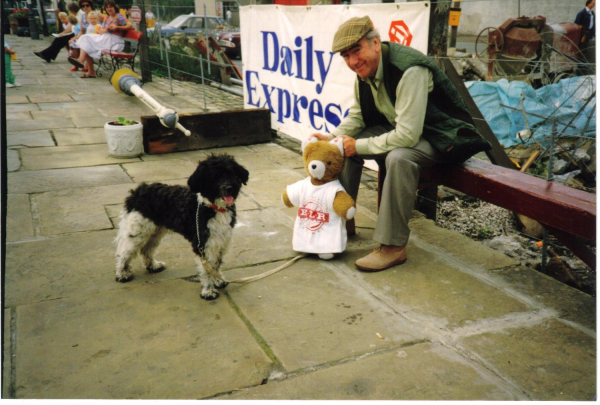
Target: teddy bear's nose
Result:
[314, 166]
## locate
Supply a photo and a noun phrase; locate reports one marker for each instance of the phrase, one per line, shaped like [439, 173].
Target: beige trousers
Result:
[399, 193]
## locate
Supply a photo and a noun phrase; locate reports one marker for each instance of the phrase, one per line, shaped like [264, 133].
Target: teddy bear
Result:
[323, 204]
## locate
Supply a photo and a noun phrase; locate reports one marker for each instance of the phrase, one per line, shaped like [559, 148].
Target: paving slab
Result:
[550, 361]
[97, 121]
[47, 180]
[51, 98]
[70, 265]
[13, 161]
[571, 304]
[150, 342]
[280, 155]
[78, 210]
[7, 355]
[18, 116]
[16, 99]
[30, 138]
[265, 187]
[458, 245]
[19, 222]
[440, 293]
[22, 107]
[68, 113]
[259, 236]
[307, 326]
[33, 125]
[74, 107]
[60, 157]
[418, 372]
[87, 136]
[154, 171]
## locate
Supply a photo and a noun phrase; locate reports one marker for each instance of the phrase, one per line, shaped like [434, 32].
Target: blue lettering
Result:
[280, 104]
[266, 66]
[309, 59]
[303, 103]
[322, 70]
[286, 63]
[268, 97]
[315, 110]
[251, 89]
[298, 53]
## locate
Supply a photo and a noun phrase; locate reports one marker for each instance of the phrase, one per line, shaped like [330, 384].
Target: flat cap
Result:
[351, 32]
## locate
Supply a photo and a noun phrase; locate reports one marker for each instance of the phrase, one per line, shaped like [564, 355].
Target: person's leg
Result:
[403, 166]
[89, 62]
[8, 76]
[55, 47]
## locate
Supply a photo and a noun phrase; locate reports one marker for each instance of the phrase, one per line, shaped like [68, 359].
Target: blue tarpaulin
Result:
[561, 101]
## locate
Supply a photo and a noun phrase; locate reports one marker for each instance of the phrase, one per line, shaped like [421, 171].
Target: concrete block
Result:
[59, 157]
[550, 361]
[309, 315]
[22, 107]
[160, 171]
[19, 222]
[156, 341]
[79, 136]
[30, 138]
[14, 126]
[13, 161]
[18, 116]
[84, 263]
[17, 100]
[417, 372]
[437, 291]
[7, 356]
[46, 180]
[51, 98]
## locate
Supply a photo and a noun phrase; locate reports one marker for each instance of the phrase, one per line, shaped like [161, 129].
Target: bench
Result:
[112, 59]
[568, 214]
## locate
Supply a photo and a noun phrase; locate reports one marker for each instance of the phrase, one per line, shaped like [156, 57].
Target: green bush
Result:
[183, 67]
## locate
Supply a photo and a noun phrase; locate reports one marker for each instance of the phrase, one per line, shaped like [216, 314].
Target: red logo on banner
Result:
[400, 33]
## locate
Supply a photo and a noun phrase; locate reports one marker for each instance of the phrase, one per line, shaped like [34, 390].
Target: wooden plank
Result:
[566, 209]
[210, 130]
[575, 245]
[497, 154]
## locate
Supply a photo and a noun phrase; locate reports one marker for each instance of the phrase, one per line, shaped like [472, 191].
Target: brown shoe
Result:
[382, 257]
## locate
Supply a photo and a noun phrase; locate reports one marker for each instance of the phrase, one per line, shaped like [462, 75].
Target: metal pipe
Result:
[236, 81]
[227, 88]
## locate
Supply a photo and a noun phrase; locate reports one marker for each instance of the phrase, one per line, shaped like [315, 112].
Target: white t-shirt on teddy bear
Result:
[318, 229]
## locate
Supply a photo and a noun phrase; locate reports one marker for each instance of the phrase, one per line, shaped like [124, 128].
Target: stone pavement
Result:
[458, 321]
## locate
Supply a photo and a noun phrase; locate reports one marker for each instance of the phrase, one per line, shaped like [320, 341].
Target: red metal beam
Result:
[555, 205]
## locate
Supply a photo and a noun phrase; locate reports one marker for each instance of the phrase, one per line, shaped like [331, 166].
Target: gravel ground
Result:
[498, 229]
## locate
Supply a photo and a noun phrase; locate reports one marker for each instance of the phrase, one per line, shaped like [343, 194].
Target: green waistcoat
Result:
[448, 124]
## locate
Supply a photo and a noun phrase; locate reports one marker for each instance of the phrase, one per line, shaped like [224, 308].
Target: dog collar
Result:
[214, 207]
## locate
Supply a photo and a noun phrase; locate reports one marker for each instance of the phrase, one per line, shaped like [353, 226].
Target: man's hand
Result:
[349, 145]
[319, 136]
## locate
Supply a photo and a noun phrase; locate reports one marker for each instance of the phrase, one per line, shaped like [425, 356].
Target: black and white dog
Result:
[204, 214]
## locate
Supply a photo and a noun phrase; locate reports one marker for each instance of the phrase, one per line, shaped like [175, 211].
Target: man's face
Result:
[363, 58]
[592, 4]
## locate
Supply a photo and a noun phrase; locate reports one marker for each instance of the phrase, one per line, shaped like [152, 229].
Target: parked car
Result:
[191, 24]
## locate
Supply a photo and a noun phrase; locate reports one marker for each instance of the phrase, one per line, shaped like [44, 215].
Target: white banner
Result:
[290, 69]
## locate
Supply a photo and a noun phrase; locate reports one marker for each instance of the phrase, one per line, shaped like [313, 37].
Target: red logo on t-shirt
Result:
[400, 33]
[312, 215]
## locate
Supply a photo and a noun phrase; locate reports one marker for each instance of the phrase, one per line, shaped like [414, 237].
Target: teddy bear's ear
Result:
[308, 141]
[339, 142]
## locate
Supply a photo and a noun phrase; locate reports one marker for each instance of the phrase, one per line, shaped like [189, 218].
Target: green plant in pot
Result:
[124, 138]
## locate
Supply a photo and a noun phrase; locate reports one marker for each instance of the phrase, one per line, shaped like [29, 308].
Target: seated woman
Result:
[91, 46]
[86, 6]
[49, 54]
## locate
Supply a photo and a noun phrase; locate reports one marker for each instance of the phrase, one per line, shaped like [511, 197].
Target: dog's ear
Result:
[242, 173]
[196, 180]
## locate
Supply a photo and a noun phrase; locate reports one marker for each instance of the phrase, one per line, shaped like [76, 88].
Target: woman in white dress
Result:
[91, 46]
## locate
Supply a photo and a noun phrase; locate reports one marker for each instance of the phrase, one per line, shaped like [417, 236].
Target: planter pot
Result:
[124, 141]
[23, 22]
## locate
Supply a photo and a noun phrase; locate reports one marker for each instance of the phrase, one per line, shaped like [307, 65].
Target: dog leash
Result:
[244, 280]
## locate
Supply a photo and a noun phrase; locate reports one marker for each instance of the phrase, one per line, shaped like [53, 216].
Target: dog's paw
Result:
[124, 277]
[219, 283]
[156, 267]
[209, 295]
